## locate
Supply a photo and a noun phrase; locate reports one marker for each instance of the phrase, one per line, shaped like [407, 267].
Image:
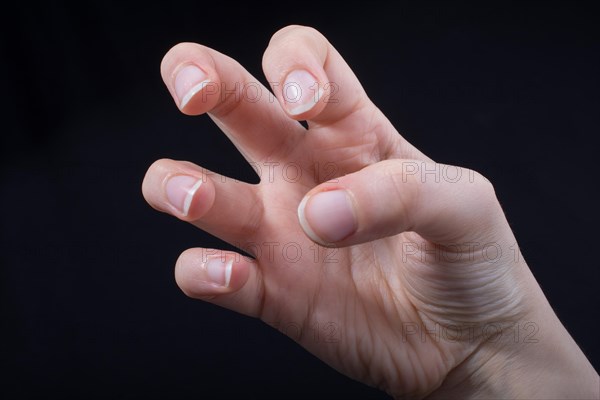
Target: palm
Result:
[349, 306]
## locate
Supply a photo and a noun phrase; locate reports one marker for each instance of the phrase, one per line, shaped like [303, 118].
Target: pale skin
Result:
[397, 271]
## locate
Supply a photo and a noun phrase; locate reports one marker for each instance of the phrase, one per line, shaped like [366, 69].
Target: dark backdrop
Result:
[89, 306]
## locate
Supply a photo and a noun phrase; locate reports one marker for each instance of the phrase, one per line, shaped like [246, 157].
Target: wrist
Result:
[534, 358]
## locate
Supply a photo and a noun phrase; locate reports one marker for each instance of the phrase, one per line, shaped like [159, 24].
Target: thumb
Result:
[442, 203]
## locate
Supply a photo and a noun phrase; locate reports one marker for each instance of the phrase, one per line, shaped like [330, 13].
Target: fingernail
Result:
[218, 271]
[189, 81]
[327, 217]
[180, 191]
[301, 91]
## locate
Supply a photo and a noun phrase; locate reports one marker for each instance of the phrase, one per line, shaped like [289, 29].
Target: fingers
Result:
[221, 277]
[313, 82]
[202, 80]
[293, 64]
[310, 78]
[224, 207]
[443, 204]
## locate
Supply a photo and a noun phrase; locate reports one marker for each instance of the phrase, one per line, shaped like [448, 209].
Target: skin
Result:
[428, 297]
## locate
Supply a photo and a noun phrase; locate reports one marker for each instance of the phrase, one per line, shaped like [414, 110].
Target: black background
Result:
[89, 306]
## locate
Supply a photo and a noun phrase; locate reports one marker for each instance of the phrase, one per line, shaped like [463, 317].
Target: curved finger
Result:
[312, 81]
[221, 277]
[202, 80]
[224, 207]
[442, 203]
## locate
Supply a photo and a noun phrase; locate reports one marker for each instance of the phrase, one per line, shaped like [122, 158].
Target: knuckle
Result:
[484, 187]
[485, 197]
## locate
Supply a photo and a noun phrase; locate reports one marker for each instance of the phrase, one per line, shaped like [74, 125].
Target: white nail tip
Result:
[228, 269]
[192, 92]
[187, 202]
[304, 223]
[301, 109]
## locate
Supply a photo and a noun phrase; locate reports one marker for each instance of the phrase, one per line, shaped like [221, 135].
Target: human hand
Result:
[417, 285]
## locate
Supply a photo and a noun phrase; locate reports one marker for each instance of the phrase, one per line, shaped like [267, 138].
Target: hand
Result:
[416, 285]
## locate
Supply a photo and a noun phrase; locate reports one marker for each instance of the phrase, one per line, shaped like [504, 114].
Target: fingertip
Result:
[195, 88]
[294, 64]
[189, 196]
[190, 76]
[305, 225]
[303, 92]
[328, 217]
[205, 273]
[179, 188]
